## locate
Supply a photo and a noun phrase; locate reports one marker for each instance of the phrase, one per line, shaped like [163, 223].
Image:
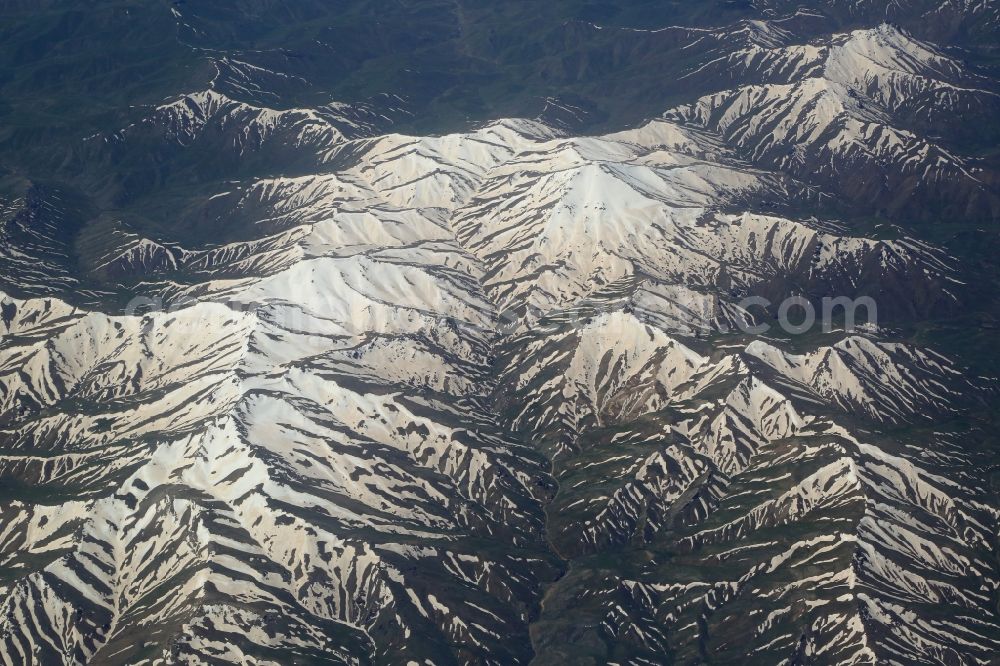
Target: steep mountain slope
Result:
[298, 388]
[845, 124]
[714, 506]
[322, 502]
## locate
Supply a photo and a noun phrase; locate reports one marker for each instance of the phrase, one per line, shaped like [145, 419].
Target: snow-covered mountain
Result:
[848, 120]
[356, 396]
